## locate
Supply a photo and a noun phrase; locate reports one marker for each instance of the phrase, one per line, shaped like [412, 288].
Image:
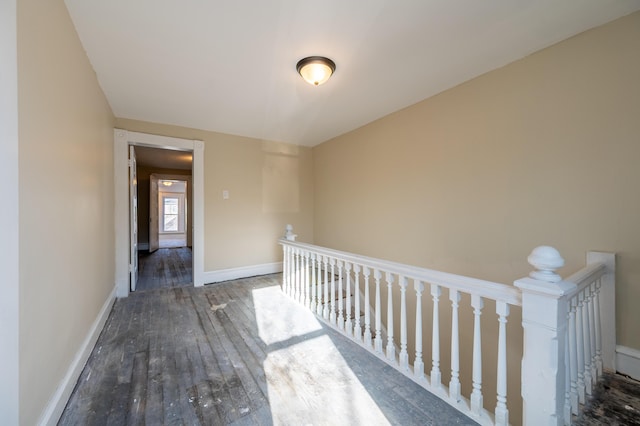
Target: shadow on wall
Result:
[280, 178]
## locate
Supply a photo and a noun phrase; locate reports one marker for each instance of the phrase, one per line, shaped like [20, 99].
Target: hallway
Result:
[164, 268]
[240, 353]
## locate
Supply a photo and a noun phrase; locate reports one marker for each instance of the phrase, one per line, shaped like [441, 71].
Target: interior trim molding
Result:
[220, 275]
[122, 140]
[55, 406]
[628, 361]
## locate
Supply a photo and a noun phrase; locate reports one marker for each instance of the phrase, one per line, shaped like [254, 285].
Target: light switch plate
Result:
[225, 194]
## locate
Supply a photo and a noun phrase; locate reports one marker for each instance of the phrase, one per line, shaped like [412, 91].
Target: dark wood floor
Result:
[238, 353]
[164, 268]
[615, 402]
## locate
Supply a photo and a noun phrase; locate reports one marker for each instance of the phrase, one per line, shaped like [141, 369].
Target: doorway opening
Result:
[131, 199]
[165, 233]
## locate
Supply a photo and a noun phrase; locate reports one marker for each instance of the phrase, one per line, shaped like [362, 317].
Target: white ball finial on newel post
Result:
[288, 234]
[546, 260]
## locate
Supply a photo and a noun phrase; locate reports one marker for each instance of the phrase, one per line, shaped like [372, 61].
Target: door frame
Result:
[122, 139]
[133, 218]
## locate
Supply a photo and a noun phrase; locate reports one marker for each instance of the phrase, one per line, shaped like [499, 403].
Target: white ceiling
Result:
[229, 66]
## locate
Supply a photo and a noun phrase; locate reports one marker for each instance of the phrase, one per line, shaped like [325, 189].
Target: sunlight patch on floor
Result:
[309, 382]
[279, 318]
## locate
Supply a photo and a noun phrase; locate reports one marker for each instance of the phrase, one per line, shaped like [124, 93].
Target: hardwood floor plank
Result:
[164, 268]
[187, 392]
[245, 363]
[138, 398]
[156, 321]
[117, 414]
[249, 334]
[229, 365]
[170, 386]
[615, 401]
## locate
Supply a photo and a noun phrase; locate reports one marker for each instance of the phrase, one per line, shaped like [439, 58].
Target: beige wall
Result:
[270, 185]
[66, 199]
[543, 151]
[9, 285]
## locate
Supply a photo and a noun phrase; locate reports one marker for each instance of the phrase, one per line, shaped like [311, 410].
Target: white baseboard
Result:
[628, 361]
[58, 401]
[242, 272]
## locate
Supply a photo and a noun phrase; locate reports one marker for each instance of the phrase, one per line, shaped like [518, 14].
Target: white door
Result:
[133, 218]
[154, 233]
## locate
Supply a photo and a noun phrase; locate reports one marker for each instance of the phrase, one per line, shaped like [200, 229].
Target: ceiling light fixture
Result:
[167, 182]
[316, 70]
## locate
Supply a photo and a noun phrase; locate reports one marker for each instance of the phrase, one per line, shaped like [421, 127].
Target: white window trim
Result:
[180, 196]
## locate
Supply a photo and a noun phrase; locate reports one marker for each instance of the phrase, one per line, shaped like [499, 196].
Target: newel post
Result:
[288, 233]
[544, 320]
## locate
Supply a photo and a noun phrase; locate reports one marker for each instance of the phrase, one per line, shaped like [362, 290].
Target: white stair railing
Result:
[591, 309]
[565, 323]
[568, 325]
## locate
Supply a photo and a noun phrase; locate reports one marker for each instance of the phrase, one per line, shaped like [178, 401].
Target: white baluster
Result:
[605, 310]
[573, 356]
[367, 307]
[580, 349]
[391, 348]
[301, 276]
[314, 296]
[296, 269]
[340, 298]
[307, 301]
[299, 285]
[319, 304]
[598, 327]
[299, 281]
[332, 313]
[436, 380]
[476, 395]
[325, 308]
[404, 355]
[418, 364]
[290, 272]
[567, 382]
[357, 328]
[592, 335]
[588, 384]
[454, 383]
[378, 311]
[288, 266]
[348, 324]
[284, 269]
[502, 413]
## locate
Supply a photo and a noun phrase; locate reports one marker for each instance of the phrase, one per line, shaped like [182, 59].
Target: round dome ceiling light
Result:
[316, 70]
